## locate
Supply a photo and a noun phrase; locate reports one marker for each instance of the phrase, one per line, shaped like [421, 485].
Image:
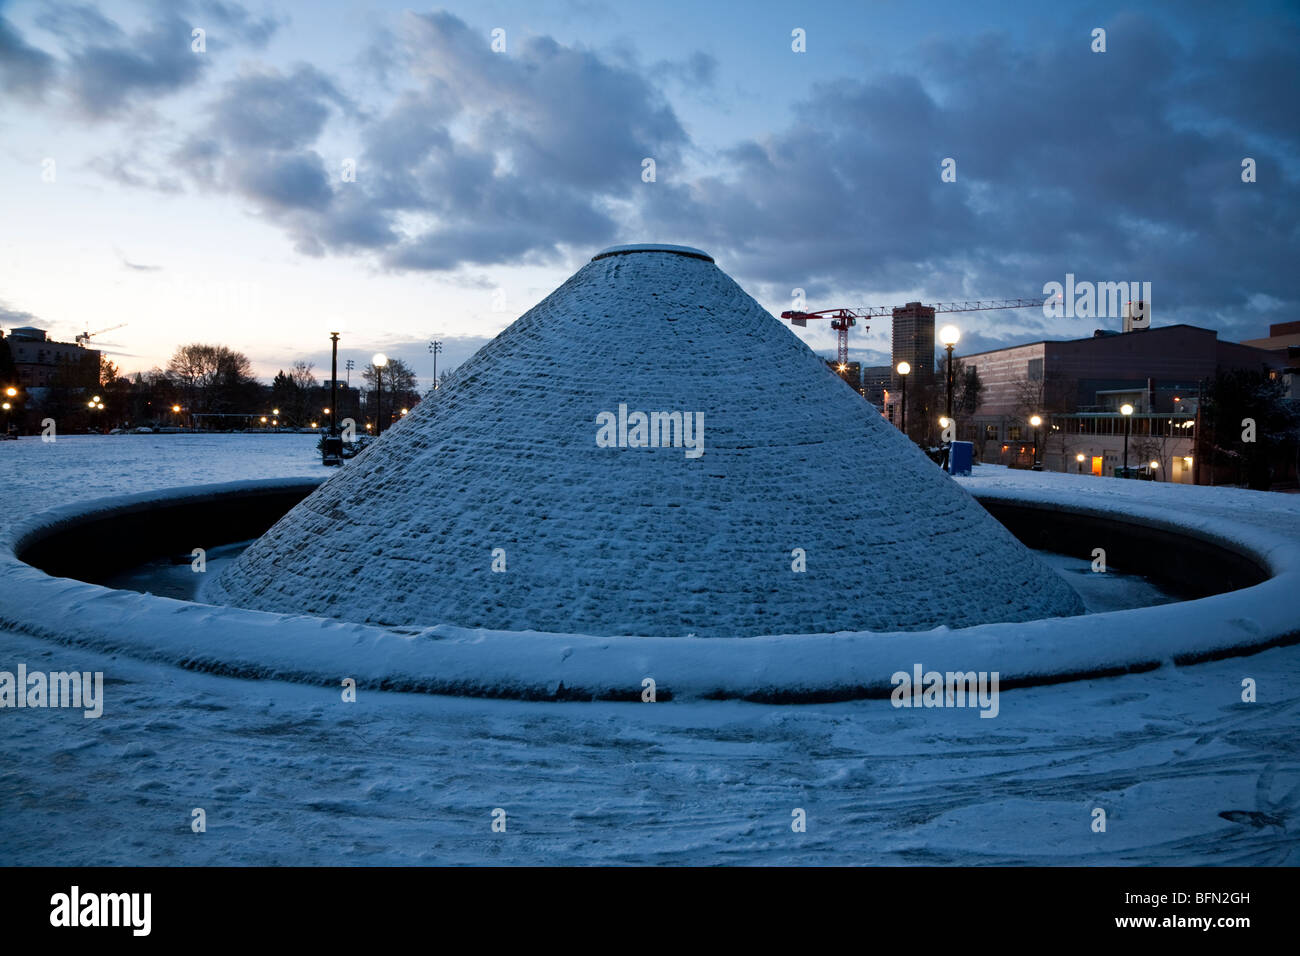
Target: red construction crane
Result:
[844, 319]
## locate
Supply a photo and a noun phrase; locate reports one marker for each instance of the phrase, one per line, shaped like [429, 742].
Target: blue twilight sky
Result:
[202, 195]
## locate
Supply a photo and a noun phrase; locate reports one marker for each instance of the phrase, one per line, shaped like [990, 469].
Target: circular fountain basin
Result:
[1238, 582]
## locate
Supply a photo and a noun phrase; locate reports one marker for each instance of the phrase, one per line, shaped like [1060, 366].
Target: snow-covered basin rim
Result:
[539, 665]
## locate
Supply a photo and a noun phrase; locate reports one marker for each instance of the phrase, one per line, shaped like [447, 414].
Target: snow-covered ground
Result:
[289, 773]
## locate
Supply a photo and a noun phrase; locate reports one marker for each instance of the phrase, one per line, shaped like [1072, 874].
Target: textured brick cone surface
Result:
[648, 541]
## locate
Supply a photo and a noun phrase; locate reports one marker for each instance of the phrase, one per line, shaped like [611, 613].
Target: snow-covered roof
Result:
[495, 503]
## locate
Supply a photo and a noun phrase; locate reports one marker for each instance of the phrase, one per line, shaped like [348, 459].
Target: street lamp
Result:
[1035, 420]
[1079, 459]
[331, 449]
[1127, 411]
[379, 359]
[949, 335]
[904, 369]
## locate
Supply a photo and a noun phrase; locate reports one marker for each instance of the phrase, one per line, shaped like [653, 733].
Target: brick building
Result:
[1284, 343]
[41, 363]
[1078, 387]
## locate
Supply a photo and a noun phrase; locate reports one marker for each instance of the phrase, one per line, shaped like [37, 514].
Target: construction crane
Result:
[84, 338]
[844, 319]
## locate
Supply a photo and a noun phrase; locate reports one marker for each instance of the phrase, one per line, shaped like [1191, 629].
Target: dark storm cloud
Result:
[283, 181]
[698, 71]
[275, 111]
[106, 71]
[15, 318]
[24, 69]
[234, 20]
[488, 158]
[555, 133]
[1122, 166]
[1117, 166]
[257, 142]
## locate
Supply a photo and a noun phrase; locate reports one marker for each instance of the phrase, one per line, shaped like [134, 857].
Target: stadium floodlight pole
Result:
[334, 384]
[904, 369]
[435, 347]
[379, 360]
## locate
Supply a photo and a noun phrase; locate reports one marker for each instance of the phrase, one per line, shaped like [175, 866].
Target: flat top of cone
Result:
[495, 504]
[688, 251]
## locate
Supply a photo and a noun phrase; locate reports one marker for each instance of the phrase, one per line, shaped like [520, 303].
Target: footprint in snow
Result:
[1273, 813]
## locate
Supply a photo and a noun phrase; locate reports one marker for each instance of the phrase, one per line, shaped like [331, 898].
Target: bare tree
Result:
[1047, 399]
[212, 377]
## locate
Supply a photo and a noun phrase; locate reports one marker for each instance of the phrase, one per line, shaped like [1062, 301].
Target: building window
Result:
[990, 432]
[1013, 433]
[1036, 370]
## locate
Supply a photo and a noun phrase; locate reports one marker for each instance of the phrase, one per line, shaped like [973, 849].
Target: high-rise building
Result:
[913, 343]
[875, 380]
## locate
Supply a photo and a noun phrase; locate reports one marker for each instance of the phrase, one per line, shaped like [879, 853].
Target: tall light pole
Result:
[379, 360]
[334, 382]
[1036, 420]
[1127, 411]
[949, 335]
[331, 451]
[904, 369]
[435, 347]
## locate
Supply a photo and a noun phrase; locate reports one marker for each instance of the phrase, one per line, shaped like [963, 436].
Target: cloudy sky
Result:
[205, 194]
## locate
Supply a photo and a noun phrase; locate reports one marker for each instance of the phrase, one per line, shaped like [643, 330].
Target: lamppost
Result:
[332, 447]
[1127, 411]
[379, 360]
[1079, 459]
[334, 382]
[1155, 467]
[1036, 420]
[10, 394]
[96, 406]
[949, 336]
[904, 369]
[435, 347]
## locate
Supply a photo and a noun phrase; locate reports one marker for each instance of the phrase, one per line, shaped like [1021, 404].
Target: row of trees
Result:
[213, 386]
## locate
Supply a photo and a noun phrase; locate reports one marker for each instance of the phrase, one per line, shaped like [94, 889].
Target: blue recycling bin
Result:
[960, 456]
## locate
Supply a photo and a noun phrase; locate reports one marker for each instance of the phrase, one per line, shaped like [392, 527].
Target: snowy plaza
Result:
[288, 773]
[594, 435]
